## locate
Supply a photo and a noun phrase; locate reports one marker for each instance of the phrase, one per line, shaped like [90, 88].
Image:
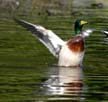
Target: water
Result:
[28, 72]
[70, 84]
[64, 83]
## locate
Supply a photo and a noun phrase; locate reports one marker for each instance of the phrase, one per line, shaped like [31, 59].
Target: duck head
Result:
[79, 23]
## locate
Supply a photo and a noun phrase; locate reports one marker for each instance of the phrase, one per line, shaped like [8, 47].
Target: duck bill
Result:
[84, 23]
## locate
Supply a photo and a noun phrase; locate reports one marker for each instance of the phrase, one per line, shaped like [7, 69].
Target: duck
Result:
[105, 33]
[69, 53]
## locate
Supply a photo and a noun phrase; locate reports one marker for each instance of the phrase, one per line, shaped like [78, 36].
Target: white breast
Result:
[69, 58]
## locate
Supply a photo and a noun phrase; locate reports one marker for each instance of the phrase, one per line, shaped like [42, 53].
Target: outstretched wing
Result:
[47, 37]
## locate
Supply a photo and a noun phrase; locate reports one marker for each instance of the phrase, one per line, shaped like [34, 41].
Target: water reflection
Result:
[105, 40]
[66, 82]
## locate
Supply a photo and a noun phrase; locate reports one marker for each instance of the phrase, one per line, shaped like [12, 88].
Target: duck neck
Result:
[78, 30]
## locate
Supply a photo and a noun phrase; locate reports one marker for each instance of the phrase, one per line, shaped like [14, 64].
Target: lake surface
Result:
[28, 72]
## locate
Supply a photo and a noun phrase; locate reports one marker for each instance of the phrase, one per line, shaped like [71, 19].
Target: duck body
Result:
[69, 53]
[72, 52]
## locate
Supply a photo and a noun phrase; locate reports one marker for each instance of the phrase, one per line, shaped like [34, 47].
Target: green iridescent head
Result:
[78, 25]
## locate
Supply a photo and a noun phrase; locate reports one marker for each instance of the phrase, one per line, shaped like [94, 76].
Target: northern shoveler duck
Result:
[69, 53]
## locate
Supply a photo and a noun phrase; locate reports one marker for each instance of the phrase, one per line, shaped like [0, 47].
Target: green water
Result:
[26, 65]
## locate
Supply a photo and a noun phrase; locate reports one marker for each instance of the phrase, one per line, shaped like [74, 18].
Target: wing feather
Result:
[47, 37]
